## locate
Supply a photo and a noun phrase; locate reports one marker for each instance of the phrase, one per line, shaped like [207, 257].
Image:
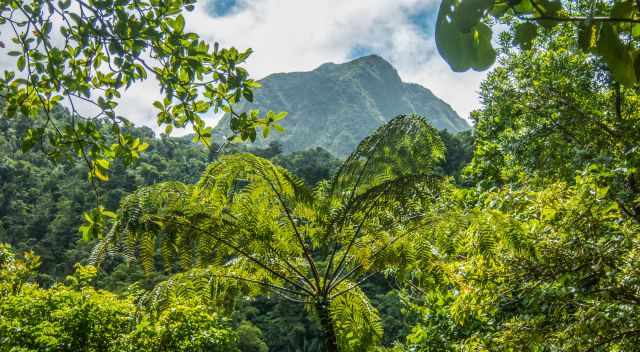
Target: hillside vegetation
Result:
[375, 221]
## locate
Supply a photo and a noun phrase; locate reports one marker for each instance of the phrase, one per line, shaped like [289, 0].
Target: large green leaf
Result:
[463, 49]
[483, 53]
[617, 55]
[469, 12]
[451, 45]
[525, 34]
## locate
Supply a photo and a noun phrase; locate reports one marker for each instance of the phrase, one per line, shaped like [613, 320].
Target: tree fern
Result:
[255, 224]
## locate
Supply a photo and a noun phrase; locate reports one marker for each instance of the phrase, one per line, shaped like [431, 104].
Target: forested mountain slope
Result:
[337, 105]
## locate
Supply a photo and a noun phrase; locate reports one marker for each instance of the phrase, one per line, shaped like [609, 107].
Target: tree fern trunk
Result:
[328, 330]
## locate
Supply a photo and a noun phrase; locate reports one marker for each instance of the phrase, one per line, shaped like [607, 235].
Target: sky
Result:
[300, 35]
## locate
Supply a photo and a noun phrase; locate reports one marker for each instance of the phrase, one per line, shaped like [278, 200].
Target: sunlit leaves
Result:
[610, 31]
[259, 225]
[87, 54]
[94, 222]
[539, 253]
[554, 270]
[358, 323]
[74, 316]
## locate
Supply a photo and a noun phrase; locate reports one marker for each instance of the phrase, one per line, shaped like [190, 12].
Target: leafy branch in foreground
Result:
[607, 29]
[83, 54]
[250, 225]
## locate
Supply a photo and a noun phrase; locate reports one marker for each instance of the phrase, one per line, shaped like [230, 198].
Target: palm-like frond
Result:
[255, 223]
[358, 323]
[407, 146]
[386, 182]
[216, 286]
[138, 230]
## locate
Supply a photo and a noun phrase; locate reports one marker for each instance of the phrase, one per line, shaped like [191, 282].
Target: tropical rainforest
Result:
[521, 234]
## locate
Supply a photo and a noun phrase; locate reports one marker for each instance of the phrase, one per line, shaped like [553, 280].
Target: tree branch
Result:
[579, 19]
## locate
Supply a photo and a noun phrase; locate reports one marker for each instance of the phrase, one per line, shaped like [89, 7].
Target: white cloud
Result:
[300, 35]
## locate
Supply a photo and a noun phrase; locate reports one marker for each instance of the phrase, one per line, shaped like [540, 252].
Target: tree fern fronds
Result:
[248, 256]
[168, 251]
[259, 172]
[405, 145]
[290, 264]
[147, 251]
[379, 198]
[262, 228]
[351, 286]
[339, 279]
[358, 323]
[101, 249]
[222, 284]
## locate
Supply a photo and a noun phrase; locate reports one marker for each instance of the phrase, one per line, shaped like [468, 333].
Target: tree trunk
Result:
[328, 331]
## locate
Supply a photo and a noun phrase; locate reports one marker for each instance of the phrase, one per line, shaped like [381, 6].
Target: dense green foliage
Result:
[312, 165]
[522, 235]
[580, 122]
[41, 202]
[551, 268]
[543, 254]
[248, 225]
[77, 317]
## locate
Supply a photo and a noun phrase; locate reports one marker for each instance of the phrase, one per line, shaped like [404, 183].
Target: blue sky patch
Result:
[221, 8]
[359, 51]
[425, 19]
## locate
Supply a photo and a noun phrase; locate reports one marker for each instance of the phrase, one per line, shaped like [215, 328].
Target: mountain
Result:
[336, 105]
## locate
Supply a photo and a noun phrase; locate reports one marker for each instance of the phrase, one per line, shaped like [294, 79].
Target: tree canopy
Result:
[526, 238]
[606, 29]
[541, 254]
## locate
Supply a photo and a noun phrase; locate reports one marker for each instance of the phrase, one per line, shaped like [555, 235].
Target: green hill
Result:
[337, 105]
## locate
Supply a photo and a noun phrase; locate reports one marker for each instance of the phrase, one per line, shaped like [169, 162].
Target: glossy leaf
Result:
[617, 55]
[525, 34]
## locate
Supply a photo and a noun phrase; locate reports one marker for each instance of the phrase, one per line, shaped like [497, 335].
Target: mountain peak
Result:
[371, 59]
[370, 65]
[336, 105]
